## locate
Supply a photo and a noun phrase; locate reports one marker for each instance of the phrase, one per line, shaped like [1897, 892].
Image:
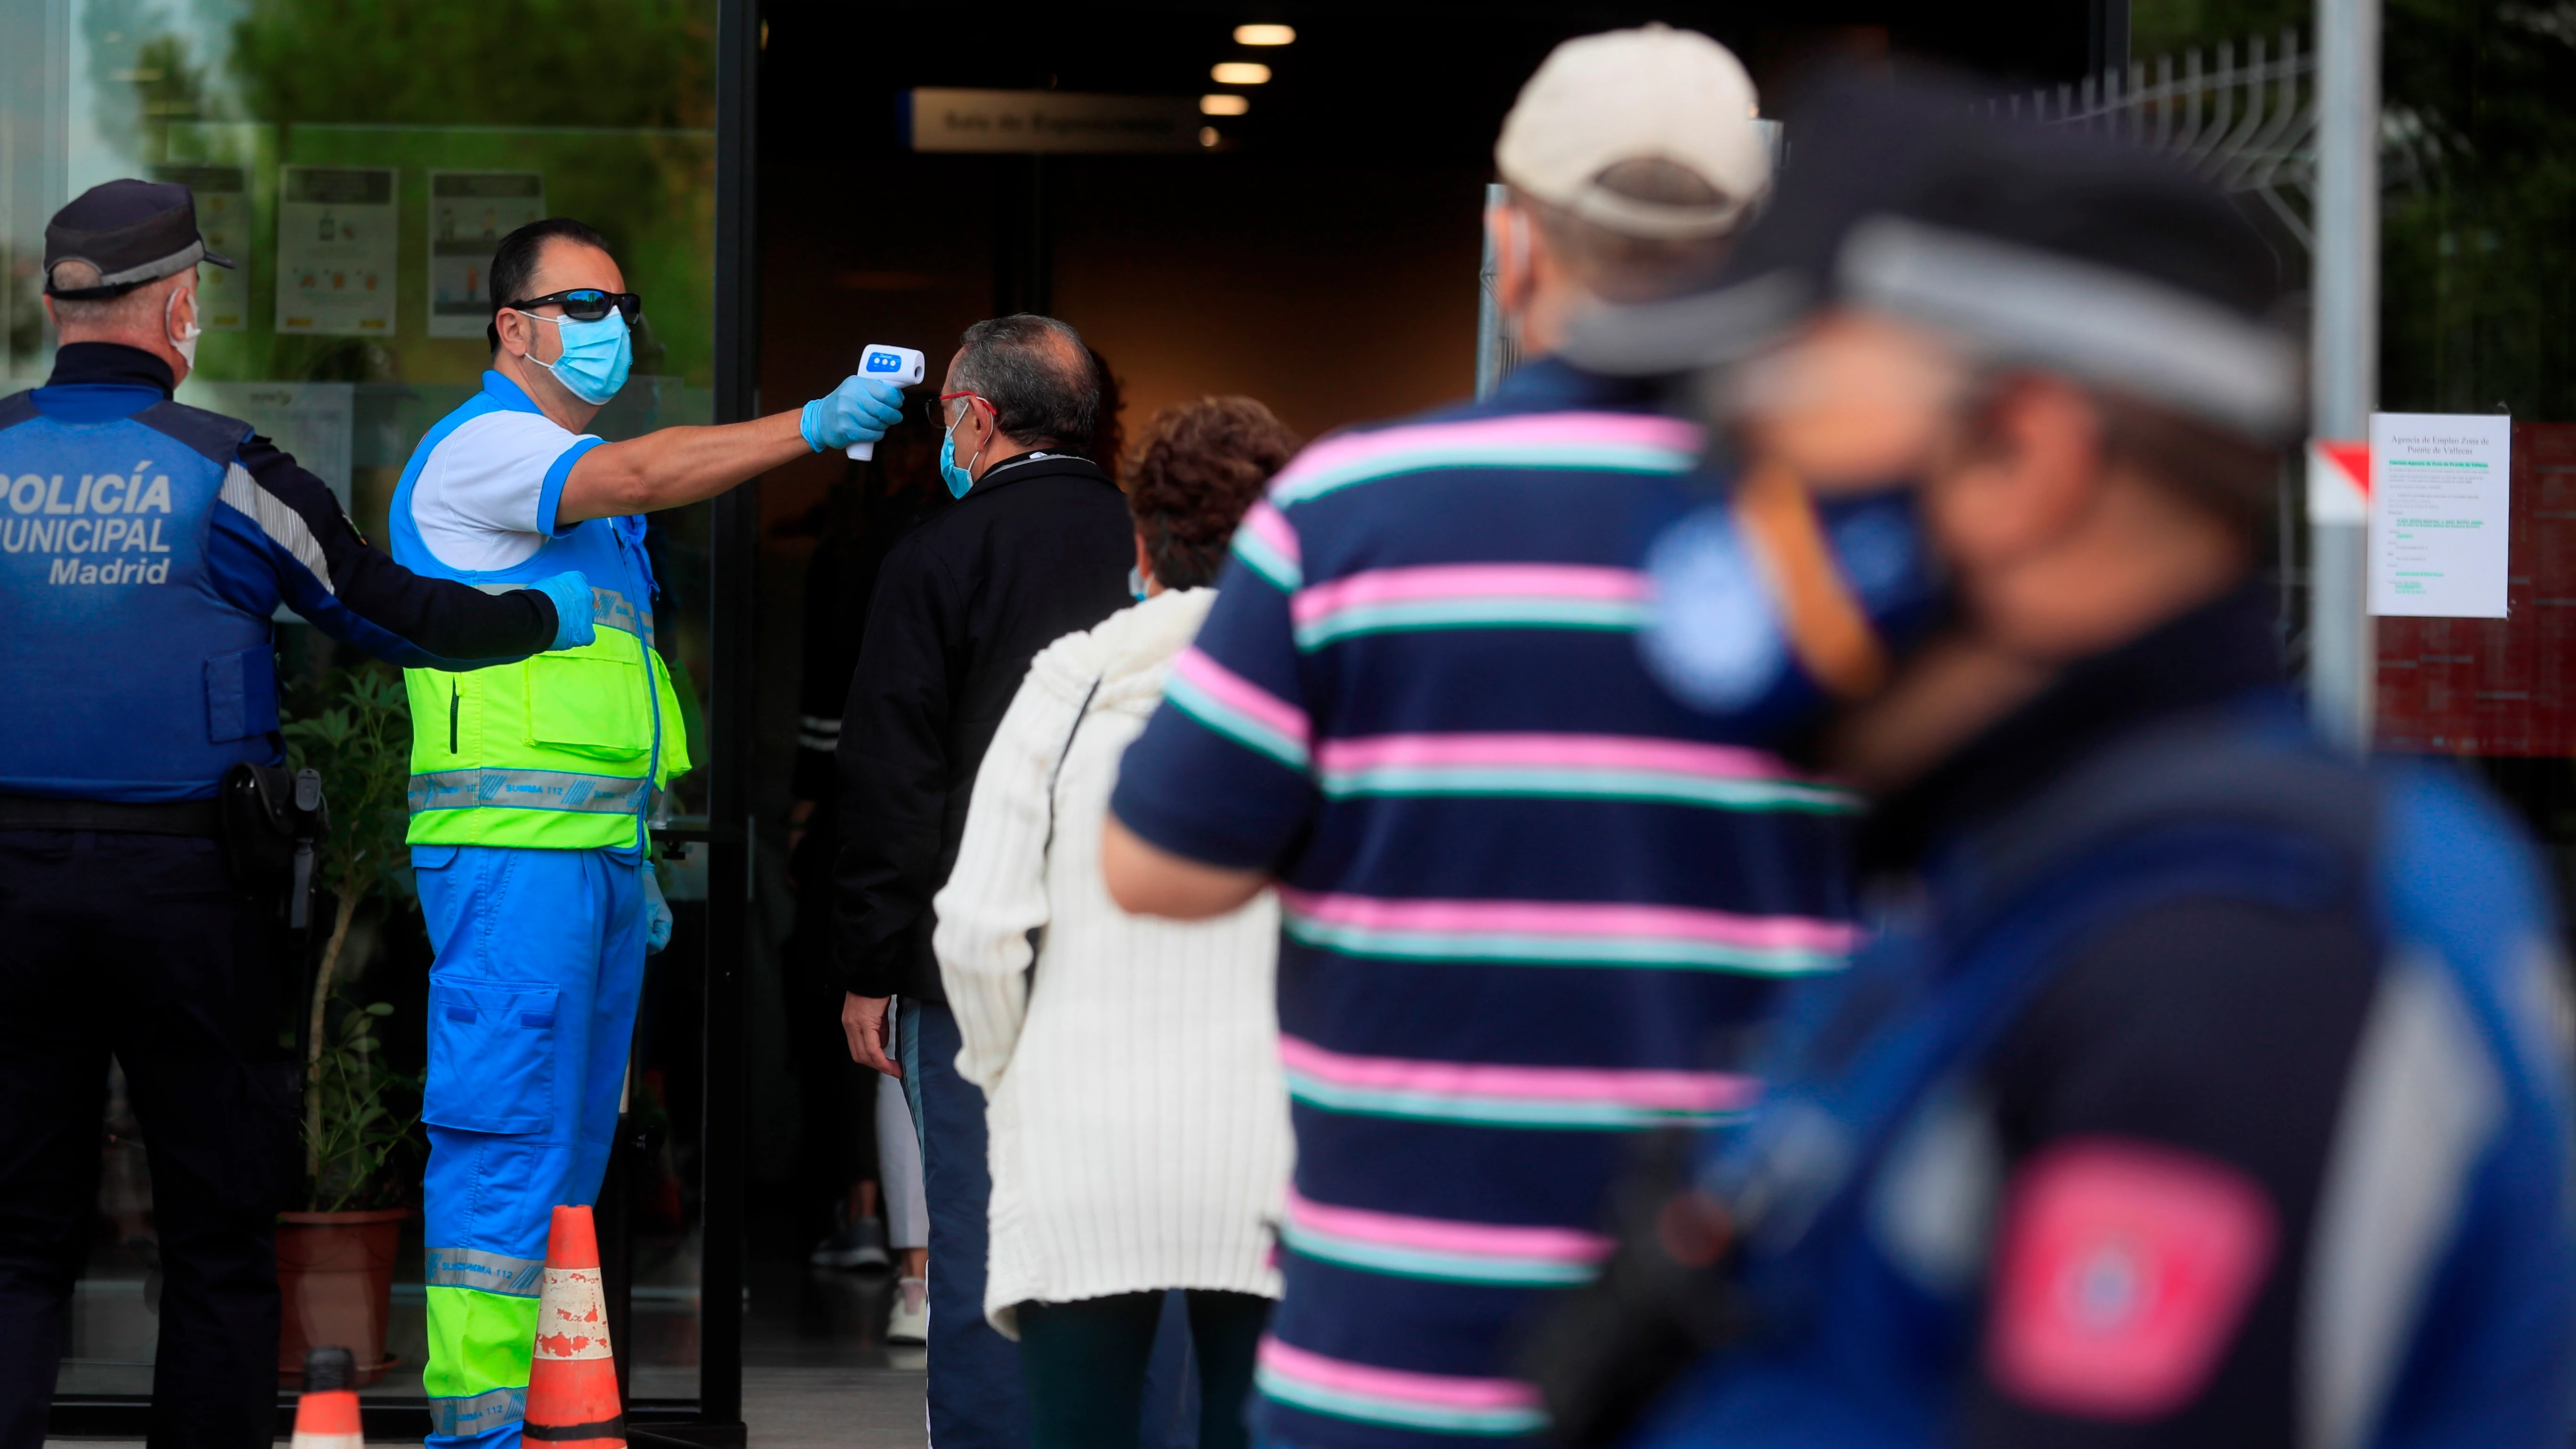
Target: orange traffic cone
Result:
[572, 1383]
[326, 1416]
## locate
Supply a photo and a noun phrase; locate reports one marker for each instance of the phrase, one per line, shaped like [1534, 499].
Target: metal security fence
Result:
[2246, 114]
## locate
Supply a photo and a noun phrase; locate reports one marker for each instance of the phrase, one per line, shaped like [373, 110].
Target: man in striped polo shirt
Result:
[1530, 903]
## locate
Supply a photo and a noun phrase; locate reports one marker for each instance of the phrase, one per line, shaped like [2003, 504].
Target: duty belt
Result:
[176, 817]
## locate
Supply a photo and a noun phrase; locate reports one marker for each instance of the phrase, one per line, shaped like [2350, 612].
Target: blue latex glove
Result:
[858, 411]
[571, 593]
[657, 912]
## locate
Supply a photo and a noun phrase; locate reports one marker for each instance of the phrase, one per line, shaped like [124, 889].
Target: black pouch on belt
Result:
[273, 821]
[259, 827]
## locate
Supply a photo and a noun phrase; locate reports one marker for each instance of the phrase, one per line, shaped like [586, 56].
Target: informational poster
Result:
[469, 213]
[336, 246]
[2441, 502]
[223, 216]
[311, 420]
[2499, 686]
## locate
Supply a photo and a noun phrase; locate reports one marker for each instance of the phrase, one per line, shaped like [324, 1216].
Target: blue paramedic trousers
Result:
[532, 997]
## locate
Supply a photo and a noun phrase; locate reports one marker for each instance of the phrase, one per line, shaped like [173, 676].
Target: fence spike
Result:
[2249, 119]
[2191, 92]
[2164, 101]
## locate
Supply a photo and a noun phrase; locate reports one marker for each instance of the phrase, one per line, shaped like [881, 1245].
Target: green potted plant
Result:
[335, 1252]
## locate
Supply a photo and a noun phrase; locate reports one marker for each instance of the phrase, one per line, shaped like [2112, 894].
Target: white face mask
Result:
[185, 342]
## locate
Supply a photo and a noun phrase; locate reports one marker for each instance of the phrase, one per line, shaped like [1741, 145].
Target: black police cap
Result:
[132, 231]
[2023, 244]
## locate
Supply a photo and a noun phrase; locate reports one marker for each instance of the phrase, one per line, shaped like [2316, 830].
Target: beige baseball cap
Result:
[1627, 95]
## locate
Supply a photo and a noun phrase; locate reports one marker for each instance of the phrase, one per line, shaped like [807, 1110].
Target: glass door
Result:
[359, 162]
[2478, 225]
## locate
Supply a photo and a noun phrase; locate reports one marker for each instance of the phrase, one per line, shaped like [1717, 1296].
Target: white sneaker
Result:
[910, 1321]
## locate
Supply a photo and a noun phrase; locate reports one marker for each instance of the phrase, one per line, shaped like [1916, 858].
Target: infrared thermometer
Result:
[898, 365]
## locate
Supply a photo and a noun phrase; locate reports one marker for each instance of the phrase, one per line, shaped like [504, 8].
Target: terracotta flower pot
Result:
[335, 1273]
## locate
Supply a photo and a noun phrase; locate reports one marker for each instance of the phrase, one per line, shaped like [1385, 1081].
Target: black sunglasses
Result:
[586, 304]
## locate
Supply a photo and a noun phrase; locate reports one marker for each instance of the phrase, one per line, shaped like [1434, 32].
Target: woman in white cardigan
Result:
[1139, 1126]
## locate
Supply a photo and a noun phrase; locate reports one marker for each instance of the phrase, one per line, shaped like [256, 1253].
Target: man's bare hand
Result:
[864, 1022]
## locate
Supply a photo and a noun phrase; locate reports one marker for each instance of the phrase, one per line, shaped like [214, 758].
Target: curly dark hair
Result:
[1198, 467]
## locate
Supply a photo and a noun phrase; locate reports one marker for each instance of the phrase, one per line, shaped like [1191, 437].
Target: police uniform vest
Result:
[1854, 1345]
[135, 666]
[563, 750]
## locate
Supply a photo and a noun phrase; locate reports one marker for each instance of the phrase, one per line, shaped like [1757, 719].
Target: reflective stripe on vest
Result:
[524, 790]
[605, 711]
[609, 610]
[559, 751]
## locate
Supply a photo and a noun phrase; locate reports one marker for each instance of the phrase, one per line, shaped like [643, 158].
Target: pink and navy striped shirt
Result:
[1531, 905]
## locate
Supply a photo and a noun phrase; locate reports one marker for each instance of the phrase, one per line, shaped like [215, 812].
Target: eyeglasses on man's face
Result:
[937, 412]
[585, 304]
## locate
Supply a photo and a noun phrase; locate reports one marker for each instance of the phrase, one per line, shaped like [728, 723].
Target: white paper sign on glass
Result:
[2440, 507]
[308, 420]
[311, 420]
[335, 250]
[469, 213]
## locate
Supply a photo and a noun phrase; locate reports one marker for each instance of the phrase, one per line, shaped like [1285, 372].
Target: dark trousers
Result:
[1085, 1364]
[138, 945]
[976, 1394]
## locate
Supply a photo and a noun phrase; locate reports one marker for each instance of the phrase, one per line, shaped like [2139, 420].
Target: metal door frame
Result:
[716, 1418]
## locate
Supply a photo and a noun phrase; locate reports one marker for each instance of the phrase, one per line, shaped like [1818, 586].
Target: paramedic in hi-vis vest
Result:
[531, 785]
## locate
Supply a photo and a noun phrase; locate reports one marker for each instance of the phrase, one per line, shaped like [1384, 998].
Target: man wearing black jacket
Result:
[1037, 546]
[863, 519]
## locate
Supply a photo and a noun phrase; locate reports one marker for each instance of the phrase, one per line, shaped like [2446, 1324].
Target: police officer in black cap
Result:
[2200, 1086]
[144, 547]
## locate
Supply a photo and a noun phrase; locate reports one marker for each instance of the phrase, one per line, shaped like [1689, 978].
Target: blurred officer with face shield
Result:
[2200, 1087]
[530, 788]
[144, 548]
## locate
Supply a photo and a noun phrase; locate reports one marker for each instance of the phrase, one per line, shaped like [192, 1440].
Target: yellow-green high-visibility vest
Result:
[554, 752]
[562, 751]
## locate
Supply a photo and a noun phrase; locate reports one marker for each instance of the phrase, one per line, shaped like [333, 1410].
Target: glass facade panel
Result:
[2478, 315]
[359, 161]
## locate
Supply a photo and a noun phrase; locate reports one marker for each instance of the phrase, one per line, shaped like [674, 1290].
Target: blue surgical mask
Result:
[957, 479]
[595, 357]
[1136, 583]
[1718, 638]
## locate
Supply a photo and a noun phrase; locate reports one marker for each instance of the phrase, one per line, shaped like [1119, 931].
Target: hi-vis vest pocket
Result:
[491, 1056]
[589, 704]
